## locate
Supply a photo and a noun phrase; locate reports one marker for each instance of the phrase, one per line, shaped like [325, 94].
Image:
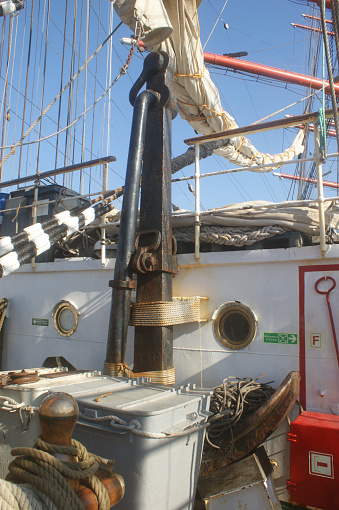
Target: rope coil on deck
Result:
[166, 313]
[37, 467]
[23, 497]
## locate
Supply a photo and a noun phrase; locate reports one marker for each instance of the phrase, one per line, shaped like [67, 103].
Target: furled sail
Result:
[173, 26]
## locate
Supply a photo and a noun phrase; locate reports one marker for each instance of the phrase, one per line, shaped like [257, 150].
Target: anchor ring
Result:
[325, 278]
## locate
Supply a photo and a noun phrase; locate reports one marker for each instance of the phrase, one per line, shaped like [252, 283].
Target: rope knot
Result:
[38, 467]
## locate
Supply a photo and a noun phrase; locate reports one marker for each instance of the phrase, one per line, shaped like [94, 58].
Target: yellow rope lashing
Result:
[166, 377]
[3, 309]
[166, 313]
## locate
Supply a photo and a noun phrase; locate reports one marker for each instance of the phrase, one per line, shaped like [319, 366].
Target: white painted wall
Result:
[265, 280]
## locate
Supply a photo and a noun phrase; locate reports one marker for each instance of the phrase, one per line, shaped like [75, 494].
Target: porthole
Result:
[66, 317]
[235, 325]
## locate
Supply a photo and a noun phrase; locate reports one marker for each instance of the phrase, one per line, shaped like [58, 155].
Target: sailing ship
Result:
[255, 293]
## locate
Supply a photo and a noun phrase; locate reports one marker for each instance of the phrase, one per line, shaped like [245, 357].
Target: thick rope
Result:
[232, 401]
[47, 474]
[134, 426]
[166, 377]
[3, 309]
[23, 497]
[230, 236]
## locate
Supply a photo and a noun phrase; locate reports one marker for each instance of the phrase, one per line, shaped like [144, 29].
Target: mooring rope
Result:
[234, 400]
[47, 474]
[23, 497]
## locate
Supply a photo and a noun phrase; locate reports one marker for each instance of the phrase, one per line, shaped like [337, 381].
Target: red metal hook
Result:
[327, 294]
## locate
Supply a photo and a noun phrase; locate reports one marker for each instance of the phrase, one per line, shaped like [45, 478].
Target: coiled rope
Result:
[234, 400]
[23, 497]
[39, 468]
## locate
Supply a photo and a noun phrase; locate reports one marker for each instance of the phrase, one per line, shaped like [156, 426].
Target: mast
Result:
[260, 70]
[327, 3]
[312, 29]
[328, 184]
[308, 16]
[268, 72]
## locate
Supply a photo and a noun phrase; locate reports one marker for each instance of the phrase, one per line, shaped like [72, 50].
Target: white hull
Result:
[273, 283]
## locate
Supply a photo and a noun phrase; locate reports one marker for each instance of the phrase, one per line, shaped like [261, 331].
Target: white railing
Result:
[267, 126]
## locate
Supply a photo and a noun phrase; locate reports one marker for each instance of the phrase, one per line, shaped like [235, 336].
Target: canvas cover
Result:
[173, 26]
[290, 215]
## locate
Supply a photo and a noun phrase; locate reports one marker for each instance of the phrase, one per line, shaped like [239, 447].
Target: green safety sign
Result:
[281, 338]
[40, 322]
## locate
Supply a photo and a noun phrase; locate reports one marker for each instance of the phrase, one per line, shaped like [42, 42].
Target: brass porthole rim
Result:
[65, 305]
[222, 312]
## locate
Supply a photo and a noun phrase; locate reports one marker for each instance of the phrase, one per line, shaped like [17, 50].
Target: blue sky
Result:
[262, 28]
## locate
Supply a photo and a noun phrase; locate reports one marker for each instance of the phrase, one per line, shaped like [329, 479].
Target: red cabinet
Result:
[314, 447]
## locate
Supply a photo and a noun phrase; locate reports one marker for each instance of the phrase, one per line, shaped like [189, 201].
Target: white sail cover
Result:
[173, 26]
[295, 216]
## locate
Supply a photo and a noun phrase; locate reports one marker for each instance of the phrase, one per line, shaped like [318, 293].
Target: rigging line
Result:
[58, 29]
[263, 178]
[109, 79]
[25, 100]
[329, 69]
[335, 19]
[89, 70]
[18, 92]
[10, 85]
[2, 41]
[215, 24]
[234, 180]
[68, 137]
[189, 198]
[63, 129]
[121, 61]
[95, 89]
[13, 59]
[285, 108]
[37, 79]
[262, 80]
[61, 80]
[43, 83]
[277, 47]
[30, 102]
[99, 17]
[70, 45]
[4, 97]
[9, 44]
[20, 118]
[106, 83]
[85, 93]
[77, 88]
[80, 60]
[12, 151]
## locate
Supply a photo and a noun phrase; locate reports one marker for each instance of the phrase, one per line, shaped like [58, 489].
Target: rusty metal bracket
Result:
[22, 377]
[127, 284]
[144, 257]
[147, 259]
[156, 74]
